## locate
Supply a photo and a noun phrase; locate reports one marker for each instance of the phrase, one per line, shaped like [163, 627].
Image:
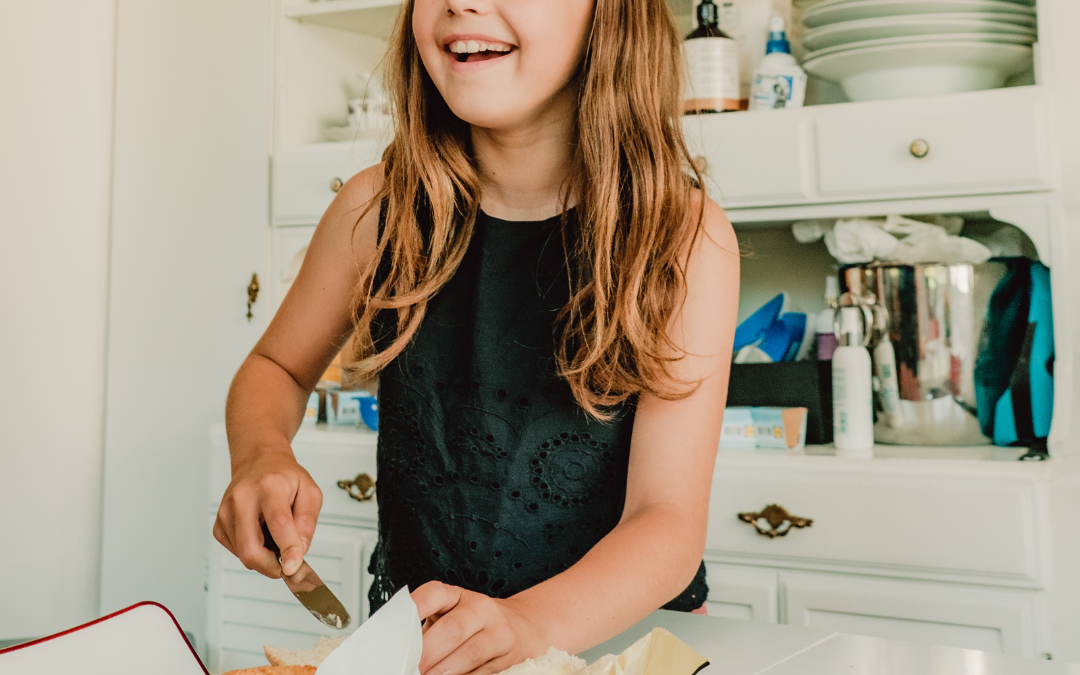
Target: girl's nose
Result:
[462, 7]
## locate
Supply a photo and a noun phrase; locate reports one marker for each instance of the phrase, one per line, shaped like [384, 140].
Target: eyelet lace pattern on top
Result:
[491, 477]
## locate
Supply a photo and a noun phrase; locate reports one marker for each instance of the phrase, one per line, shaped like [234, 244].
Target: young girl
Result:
[549, 303]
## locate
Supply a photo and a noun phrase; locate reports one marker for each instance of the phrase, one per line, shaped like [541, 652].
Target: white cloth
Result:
[893, 239]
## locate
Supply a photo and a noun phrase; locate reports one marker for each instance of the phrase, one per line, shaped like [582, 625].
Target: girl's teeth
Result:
[474, 46]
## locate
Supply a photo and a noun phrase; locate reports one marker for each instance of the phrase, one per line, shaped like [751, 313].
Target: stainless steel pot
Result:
[927, 324]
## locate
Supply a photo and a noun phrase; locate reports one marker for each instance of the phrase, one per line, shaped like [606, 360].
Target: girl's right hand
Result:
[275, 489]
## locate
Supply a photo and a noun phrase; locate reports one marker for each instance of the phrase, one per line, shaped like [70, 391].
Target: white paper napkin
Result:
[388, 643]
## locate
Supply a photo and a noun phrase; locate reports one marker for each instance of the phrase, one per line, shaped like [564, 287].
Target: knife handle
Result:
[268, 541]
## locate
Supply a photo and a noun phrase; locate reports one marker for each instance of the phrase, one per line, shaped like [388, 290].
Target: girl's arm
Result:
[655, 550]
[269, 393]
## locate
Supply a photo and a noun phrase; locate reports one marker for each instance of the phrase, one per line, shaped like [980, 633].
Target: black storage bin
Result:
[795, 384]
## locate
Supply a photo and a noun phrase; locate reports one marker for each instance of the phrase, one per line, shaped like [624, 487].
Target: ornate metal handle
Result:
[253, 294]
[780, 522]
[361, 488]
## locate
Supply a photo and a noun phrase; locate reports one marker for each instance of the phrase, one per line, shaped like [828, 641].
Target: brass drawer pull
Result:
[779, 520]
[361, 488]
[336, 184]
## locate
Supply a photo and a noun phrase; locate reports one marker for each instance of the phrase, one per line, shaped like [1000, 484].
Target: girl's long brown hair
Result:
[634, 223]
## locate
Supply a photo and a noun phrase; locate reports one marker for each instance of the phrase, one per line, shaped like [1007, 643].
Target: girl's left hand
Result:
[467, 633]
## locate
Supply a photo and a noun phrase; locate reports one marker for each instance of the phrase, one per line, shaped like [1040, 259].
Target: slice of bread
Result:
[312, 657]
[274, 670]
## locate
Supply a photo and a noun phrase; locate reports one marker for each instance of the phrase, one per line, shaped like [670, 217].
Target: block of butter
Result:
[658, 653]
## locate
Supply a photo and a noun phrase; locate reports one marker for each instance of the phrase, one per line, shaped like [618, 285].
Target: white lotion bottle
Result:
[778, 82]
[853, 409]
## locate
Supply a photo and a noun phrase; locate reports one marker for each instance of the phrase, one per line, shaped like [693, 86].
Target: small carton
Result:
[737, 434]
[764, 429]
[311, 411]
[780, 429]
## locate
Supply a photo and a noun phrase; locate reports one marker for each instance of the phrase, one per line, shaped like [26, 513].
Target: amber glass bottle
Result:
[712, 59]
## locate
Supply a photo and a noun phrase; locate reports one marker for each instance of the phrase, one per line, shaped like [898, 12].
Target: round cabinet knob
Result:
[919, 148]
[700, 163]
[336, 184]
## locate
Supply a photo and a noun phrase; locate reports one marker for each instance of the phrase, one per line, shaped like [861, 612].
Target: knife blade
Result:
[310, 590]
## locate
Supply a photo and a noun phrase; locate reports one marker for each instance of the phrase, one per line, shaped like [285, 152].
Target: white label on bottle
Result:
[713, 65]
[773, 91]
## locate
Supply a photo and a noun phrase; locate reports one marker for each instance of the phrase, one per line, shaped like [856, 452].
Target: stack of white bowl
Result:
[882, 49]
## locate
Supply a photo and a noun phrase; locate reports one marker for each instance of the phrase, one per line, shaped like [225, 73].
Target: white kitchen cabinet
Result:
[744, 593]
[992, 620]
[246, 610]
[967, 553]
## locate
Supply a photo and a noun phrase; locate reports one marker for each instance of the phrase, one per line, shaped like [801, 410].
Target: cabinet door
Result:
[248, 610]
[189, 227]
[742, 592]
[992, 620]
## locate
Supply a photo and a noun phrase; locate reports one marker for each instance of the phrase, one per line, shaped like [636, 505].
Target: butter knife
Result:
[310, 590]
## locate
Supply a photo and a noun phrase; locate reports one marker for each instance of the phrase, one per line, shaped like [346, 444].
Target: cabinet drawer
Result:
[752, 159]
[303, 177]
[991, 620]
[329, 456]
[975, 144]
[877, 520]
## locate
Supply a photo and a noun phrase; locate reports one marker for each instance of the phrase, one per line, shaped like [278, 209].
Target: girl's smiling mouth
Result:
[473, 49]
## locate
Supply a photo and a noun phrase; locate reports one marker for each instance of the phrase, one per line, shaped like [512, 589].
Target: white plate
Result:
[909, 70]
[834, 11]
[1001, 38]
[906, 26]
[355, 133]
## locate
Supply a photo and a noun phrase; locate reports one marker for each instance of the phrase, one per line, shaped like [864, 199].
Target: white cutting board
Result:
[140, 640]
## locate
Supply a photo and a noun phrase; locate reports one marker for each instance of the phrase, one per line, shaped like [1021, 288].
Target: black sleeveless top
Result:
[490, 476]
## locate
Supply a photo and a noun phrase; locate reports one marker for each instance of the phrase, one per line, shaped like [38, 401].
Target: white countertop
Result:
[736, 647]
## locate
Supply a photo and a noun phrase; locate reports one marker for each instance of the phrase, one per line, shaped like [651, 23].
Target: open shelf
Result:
[366, 17]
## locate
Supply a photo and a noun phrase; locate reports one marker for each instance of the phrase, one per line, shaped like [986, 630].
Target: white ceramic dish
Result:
[917, 69]
[907, 26]
[1001, 38]
[339, 134]
[834, 11]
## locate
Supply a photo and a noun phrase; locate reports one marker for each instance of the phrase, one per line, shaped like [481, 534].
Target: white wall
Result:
[56, 114]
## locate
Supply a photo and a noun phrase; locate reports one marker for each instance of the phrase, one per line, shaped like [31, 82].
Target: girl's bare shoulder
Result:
[717, 236]
[347, 234]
